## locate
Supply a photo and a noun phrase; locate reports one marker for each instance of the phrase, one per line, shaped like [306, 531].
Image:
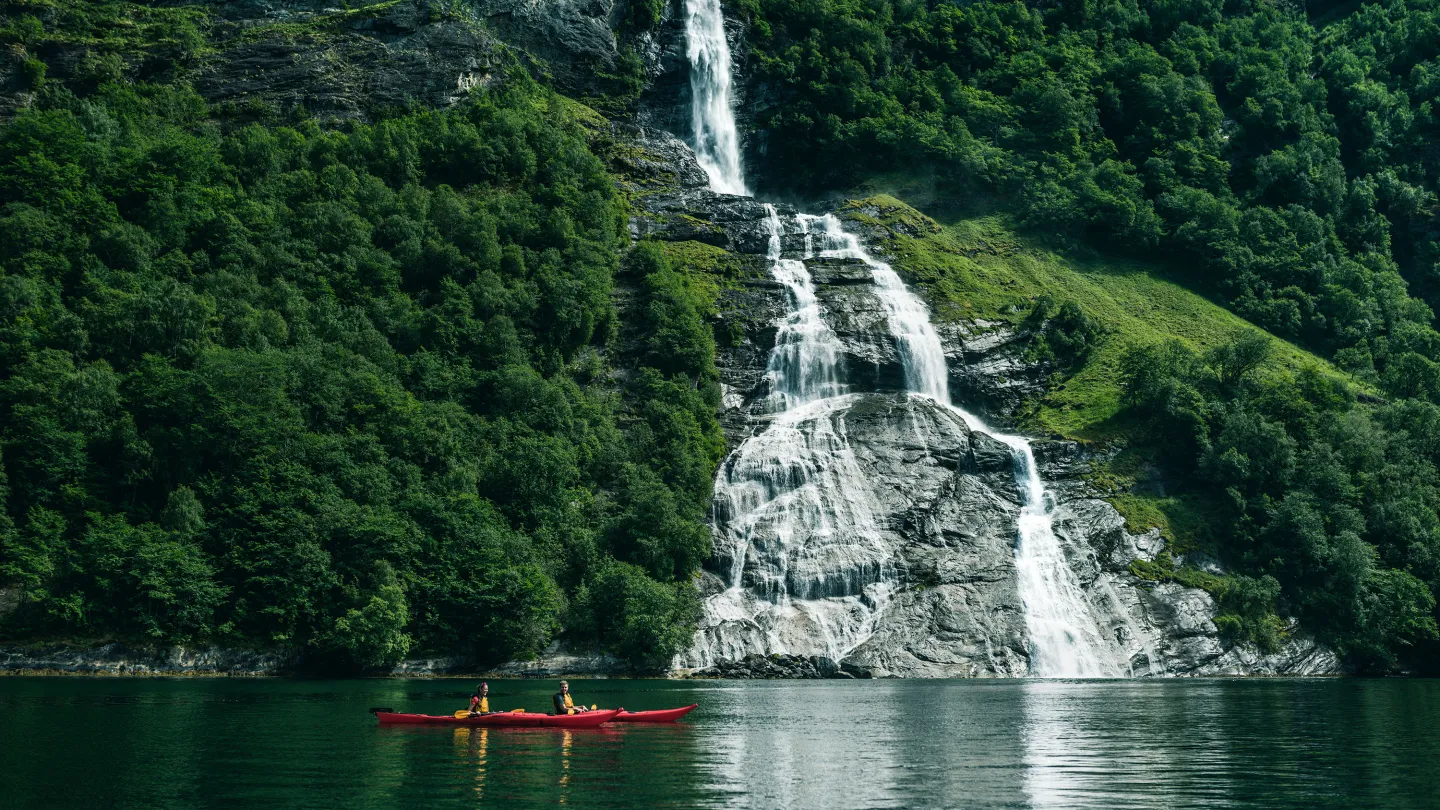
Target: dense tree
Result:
[342, 392]
[1330, 505]
[1286, 166]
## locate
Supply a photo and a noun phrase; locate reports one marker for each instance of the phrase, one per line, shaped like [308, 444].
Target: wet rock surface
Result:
[778, 666]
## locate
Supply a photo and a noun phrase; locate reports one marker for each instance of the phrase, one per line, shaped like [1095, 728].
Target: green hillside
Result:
[292, 358]
[981, 269]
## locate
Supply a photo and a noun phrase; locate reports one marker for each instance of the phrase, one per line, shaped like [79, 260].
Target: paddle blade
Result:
[461, 714]
[592, 706]
[517, 711]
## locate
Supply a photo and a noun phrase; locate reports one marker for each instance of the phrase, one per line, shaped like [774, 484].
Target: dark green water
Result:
[160, 743]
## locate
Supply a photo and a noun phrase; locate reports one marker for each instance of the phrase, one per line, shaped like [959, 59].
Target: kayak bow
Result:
[502, 719]
[658, 716]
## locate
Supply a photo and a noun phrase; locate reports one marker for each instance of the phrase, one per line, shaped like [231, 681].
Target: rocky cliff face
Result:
[944, 498]
[269, 57]
[338, 64]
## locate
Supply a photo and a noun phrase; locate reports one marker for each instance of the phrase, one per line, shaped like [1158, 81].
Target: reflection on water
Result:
[567, 739]
[1302, 744]
[1086, 748]
[474, 741]
[153, 743]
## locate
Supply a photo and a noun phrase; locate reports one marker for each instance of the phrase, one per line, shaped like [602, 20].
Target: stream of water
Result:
[793, 496]
[717, 140]
[1065, 641]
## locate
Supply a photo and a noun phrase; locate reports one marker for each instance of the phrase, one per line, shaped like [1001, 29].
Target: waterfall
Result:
[1065, 641]
[804, 365]
[717, 141]
[790, 501]
[791, 505]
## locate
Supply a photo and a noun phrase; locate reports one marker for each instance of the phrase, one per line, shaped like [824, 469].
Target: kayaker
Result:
[480, 701]
[564, 704]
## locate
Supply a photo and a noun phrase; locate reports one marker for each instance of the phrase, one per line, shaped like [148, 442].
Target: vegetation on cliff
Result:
[365, 392]
[1290, 169]
[343, 392]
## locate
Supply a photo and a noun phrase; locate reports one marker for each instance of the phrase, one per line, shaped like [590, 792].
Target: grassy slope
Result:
[978, 269]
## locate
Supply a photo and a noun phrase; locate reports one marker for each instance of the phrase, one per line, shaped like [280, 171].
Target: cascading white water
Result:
[804, 365]
[809, 569]
[717, 141]
[1065, 641]
[791, 504]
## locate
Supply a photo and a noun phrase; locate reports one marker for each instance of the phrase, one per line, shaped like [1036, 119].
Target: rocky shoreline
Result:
[118, 659]
[121, 660]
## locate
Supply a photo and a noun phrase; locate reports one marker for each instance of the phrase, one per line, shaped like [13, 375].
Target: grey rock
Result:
[15, 91]
[336, 64]
[434, 667]
[1164, 628]
[416, 52]
[944, 500]
[122, 659]
[560, 660]
[943, 600]
[775, 667]
[574, 39]
[653, 161]
[988, 369]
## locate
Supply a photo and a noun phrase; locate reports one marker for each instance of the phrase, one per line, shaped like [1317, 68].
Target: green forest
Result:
[341, 392]
[362, 390]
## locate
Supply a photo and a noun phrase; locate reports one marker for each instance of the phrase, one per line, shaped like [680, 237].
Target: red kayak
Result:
[502, 719]
[658, 716]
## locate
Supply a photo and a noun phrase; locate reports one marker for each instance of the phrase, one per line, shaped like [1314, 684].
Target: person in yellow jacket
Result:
[564, 704]
[480, 701]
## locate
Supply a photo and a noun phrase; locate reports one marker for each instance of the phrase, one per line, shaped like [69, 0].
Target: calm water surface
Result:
[162, 743]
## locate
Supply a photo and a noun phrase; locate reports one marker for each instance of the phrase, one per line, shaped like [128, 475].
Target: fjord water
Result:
[184, 743]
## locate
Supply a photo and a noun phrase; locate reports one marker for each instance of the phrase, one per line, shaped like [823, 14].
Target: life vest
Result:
[563, 703]
[484, 704]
